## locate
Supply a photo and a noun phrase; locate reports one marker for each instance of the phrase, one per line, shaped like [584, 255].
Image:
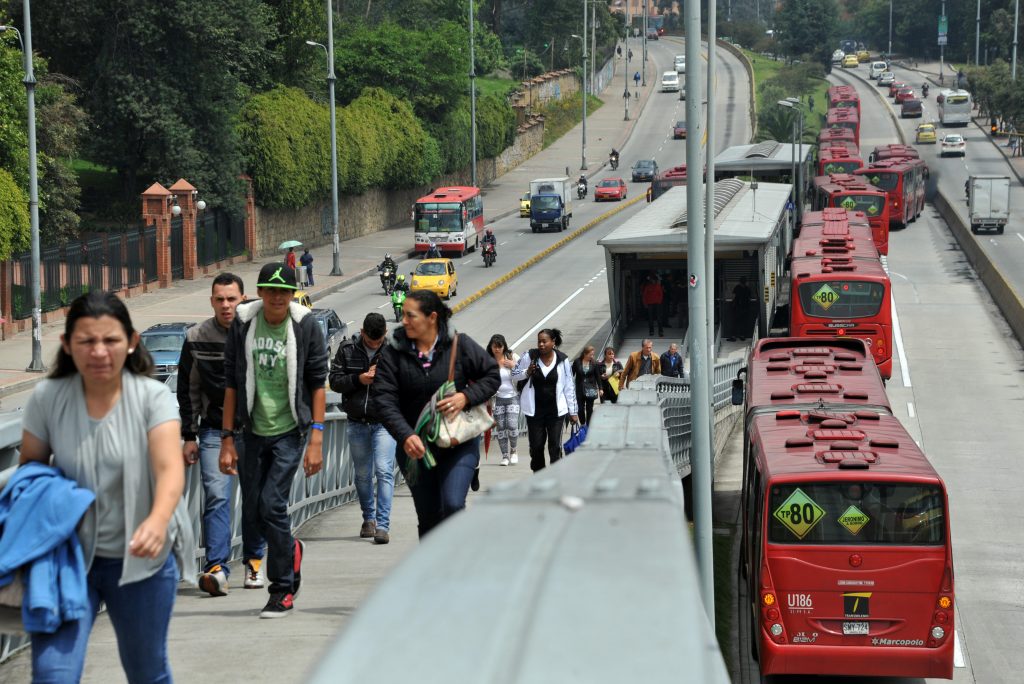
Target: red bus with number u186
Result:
[452, 218]
[845, 547]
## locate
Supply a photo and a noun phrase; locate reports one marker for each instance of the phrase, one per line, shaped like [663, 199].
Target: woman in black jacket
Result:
[587, 373]
[413, 365]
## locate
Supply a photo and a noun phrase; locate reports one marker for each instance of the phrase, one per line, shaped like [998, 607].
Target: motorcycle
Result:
[924, 92]
[613, 159]
[489, 254]
[581, 190]
[397, 299]
[387, 280]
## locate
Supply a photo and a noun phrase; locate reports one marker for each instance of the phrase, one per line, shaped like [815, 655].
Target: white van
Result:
[670, 82]
[877, 68]
[680, 64]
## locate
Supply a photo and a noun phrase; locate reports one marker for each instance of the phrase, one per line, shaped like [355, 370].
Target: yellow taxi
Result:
[926, 134]
[863, 56]
[524, 205]
[302, 297]
[436, 275]
[850, 61]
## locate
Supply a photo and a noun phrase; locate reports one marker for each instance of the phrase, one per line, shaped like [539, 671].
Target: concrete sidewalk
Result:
[188, 300]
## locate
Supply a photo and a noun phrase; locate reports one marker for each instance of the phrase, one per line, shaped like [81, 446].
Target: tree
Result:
[13, 113]
[61, 123]
[808, 27]
[14, 219]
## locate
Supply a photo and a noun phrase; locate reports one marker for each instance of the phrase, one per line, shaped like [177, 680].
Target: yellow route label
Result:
[799, 513]
[825, 297]
[853, 519]
[848, 203]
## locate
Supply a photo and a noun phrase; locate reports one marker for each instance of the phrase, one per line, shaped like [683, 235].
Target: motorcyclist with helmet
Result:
[613, 158]
[398, 295]
[433, 252]
[491, 241]
[387, 270]
[581, 185]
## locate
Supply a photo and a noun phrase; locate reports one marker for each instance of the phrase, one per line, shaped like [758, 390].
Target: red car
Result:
[610, 189]
[679, 130]
[895, 87]
[904, 94]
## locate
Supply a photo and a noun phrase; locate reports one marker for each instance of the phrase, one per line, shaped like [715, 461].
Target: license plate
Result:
[855, 628]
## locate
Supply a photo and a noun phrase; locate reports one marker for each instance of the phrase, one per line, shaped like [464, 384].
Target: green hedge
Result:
[495, 130]
[14, 219]
[381, 143]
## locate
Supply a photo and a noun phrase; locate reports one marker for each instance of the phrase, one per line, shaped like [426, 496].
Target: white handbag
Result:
[467, 424]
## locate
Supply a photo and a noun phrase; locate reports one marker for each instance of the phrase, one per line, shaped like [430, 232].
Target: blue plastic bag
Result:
[579, 435]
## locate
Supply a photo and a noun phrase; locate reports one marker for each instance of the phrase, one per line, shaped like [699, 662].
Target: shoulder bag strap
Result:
[451, 361]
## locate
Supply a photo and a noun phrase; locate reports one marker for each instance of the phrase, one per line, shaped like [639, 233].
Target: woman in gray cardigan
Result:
[106, 424]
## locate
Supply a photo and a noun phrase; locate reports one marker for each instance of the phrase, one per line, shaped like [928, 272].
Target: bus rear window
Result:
[856, 513]
[841, 298]
[872, 205]
[439, 217]
[884, 181]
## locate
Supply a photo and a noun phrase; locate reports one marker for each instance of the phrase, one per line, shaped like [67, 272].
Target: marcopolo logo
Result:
[881, 641]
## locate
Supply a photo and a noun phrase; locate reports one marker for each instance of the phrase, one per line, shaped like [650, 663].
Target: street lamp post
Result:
[643, 63]
[472, 91]
[795, 170]
[889, 53]
[625, 73]
[583, 40]
[977, 36]
[1016, 22]
[335, 222]
[36, 365]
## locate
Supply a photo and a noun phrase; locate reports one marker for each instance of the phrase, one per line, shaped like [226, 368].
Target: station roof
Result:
[745, 219]
[762, 156]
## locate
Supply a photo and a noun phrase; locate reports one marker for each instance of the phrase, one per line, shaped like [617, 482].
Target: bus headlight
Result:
[776, 629]
[938, 632]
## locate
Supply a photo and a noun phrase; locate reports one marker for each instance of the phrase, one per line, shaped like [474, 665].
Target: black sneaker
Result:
[300, 550]
[278, 606]
[475, 484]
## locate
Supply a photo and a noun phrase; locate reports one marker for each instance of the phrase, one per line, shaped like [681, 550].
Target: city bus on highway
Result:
[854, 193]
[844, 117]
[451, 217]
[843, 96]
[829, 135]
[845, 541]
[843, 240]
[903, 180]
[840, 295]
[668, 179]
[838, 157]
[954, 107]
[892, 151]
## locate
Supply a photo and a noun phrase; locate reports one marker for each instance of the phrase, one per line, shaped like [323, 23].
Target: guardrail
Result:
[583, 572]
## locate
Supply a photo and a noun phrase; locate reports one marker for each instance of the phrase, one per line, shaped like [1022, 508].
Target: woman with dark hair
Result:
[506, 401]
[587, 374]
[114, 430]
[413, 365]
[548, 396]
[610, 368]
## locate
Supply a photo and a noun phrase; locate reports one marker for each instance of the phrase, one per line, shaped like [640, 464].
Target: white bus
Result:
[954, 107]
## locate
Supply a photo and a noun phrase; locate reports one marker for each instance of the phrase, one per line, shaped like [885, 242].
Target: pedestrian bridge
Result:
[583, 572]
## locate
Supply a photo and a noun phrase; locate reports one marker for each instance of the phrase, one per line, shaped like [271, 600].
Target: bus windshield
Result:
[872, 205]
[841, 298]
[884, 181]
[856, 513]
[438, 217]
[847, 166]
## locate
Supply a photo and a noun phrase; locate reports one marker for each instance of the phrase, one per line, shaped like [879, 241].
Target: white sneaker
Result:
[252, 573]
[504, 461]
[514, 458]
[214, 582]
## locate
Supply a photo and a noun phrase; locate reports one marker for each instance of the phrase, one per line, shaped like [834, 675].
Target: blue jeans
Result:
[140, 613]
[217, 490]
[373, 452]
[266, 469]
[440, 492]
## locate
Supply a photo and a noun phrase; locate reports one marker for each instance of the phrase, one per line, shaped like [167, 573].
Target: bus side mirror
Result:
[737, 392]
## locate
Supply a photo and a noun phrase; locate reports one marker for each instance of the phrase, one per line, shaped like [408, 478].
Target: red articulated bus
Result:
[846, 546]
[840, 238]
[892, 151]
[844, 117]
[830, 135]
[856, 194]
[840, 294]
[667, 179]
[903, 180]
[843, 96]
[452, 218]
[838, 157]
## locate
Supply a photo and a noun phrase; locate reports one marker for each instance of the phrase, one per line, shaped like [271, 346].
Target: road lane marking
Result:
[958, 654]
[910, 408]
[383, 305]
[350, 323]
[502, 244]
[897, 335]
[1020, 236]
[547, 318]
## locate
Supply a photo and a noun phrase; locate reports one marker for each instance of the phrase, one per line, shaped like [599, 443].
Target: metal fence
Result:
[149, 252]
[177, 248]
[219, 235]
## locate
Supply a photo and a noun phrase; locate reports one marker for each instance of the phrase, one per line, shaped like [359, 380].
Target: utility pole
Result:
[1016, 22]
[702, 457]
[336, 238]
[709, 217]
[472, 90]
[36, 366]
[625, 73]
[942, 45]
[583, 151]
[643, 62]
[593, 45]
[889, 53]
[977, 35]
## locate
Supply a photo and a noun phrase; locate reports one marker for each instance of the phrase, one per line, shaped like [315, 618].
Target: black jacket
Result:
[306, 360]
[201, 378]
[349, 363]
[593, 377]
[403, 387]
[666, 365]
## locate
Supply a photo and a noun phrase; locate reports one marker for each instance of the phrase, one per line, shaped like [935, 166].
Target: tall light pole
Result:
[625, 73]
[643, 63]
[335, 222]
[703, 458]
[36, 365]
[709, 204]
[472, 89]
[583, 41]
[795, 153]
[1016, 23]
[942, 45]
[889, 53]
[593, 44]
[977, 35]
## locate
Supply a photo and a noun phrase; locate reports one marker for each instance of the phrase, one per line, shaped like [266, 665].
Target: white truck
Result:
[551, 203]
[988, 202]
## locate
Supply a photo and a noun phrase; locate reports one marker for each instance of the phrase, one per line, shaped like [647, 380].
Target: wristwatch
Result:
[224, 434]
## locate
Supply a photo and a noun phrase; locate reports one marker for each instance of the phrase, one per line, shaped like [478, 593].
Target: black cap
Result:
[277, 275]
